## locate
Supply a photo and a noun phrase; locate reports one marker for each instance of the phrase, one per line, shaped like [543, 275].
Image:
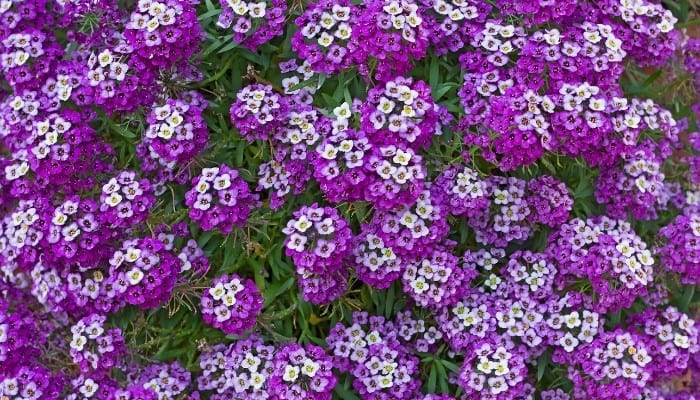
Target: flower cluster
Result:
[166, 380]
[391, 34]
[176, 130]
[126, 201]
[258, 112]
[416, 228]
[142, 273]
[163, 33]
[400, 111]
[507, 218]
[93, 346]
[376, 264]
[681, 251]
[494, 370]
[220, 199]
[340, 167]
[636, 187]
[370, 351]
[325, 36]
[572, 323]
[609, 254]
[302, 372]
[395, 176]
[436, 279]
[318, 240]
[675, 336]
[124, 187]
[231, 304]
[241, 370]
[254, 23]
[616, 365]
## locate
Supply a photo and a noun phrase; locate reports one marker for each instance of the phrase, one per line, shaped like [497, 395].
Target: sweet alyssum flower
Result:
[220, 198]
[231, 304]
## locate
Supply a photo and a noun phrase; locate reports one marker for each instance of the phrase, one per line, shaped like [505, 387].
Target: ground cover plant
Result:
[381, 199]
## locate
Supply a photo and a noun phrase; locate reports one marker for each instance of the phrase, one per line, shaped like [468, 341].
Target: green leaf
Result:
[432, 379]
[542, 362]
[687, 297]
[275, 289]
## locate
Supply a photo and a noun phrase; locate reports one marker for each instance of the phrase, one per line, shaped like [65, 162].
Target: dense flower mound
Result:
[414, 229]
[391, 34]
[437, 279]
[258, 112]
[240, 370]
[370, 351]
[400, 111]
[125, 201]
[231, 304]
[340, 166]
[607, 252]
[163, 33]
[681, 250]
[254, 23]
[220, 199]
[142, 273]
[325, 38]
[166, 380]
[616, 363]
[372, 200]
[494, 369]
[302, 373]
[375, 263]
[94, 346]
[318, 240]
[176, 130]
[636, 186]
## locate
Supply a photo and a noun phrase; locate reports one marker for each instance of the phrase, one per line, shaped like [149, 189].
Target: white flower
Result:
[134, 276]
[257, 10]
[59, 218]
[241, 8]
[291, 373]
[492, 282]
[343, 110]
[568, 342]
[223, 313]
[572, 320]
[408, 219]
[327, 21]
[681, 341]
[113, 199]
[89, 388]
[251, 362]
[341, 13]
[329, 152]
[78, 342]
[218, 291]
[392, 8]
[202, 186]
[175, 119]
[132, 254]
[344, 31]
[419, 285]
[310, 367]
[297, 242]
[302, 224]
[385, 105]
[222, 182]
[325, 39]
[402, 157]
[257, 380]
[105, 58]
[485, 365]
